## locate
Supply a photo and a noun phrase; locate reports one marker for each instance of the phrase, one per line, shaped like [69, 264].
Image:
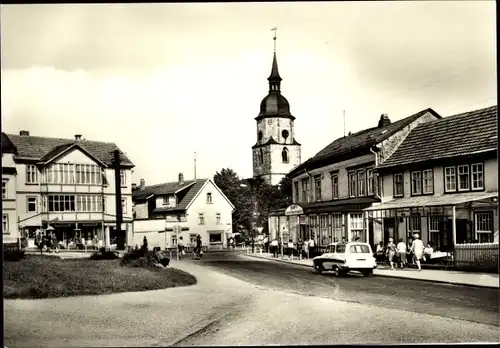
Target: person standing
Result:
[300, 247]
[417, 248]
[379, 252]
[391, 252]
[401, 248]
[305, 249]
[291, 249]
[180, 247]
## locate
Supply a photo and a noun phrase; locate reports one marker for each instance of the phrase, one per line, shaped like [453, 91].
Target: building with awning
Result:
[442, 183]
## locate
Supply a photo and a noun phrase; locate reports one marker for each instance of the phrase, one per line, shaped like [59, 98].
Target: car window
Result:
[341, 248]
[330, 249]
[359, 249]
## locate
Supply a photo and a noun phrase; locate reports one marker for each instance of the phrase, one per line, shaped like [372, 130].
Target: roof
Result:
[61, 149]
[271, 141]
[190, 194]
[160, 189]
[34, 147]
[7, 145]
[275, 75]
[433, 201]
[362, 140]
[459, 135]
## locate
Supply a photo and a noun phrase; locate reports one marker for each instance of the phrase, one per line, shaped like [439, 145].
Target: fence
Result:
[476, 257]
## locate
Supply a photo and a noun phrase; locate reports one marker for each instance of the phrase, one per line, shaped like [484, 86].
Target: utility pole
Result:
[120, 243]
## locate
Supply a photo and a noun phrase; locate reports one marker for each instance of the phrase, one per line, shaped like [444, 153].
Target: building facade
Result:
[67, 186]
[185, 208]
[10, 231]
[442, 183]
[331, 190]
[276, 151]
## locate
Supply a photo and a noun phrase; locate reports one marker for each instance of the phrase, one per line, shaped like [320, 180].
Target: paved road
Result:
[478, 305]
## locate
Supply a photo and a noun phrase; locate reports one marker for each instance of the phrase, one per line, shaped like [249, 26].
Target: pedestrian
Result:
[311, 245]
[300, 246]
[291, 249]
[95, 242]
[409, 256]
[379, 252]
[198, 252]
[401, 248]
[274, 247]
[391, 252]
[305, 249]
[180, 247]
[417, 247]
[145, 243]
[343, 240]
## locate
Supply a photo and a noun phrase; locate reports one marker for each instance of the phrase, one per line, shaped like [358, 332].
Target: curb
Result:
[389, 276]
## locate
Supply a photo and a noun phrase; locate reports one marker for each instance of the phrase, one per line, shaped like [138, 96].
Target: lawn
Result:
[47, 277]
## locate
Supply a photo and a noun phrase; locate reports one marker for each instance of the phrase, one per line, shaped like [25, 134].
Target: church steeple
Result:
[274, 79]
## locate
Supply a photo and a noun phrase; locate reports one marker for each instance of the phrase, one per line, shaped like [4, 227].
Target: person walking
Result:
[274, 247]
[417, 248]
[180, 247]
[300, 246]
[391, 252]
[401, 248]
[305, 249]
[291, 248]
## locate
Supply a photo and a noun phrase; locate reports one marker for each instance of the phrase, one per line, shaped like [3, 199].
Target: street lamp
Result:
[253, 216]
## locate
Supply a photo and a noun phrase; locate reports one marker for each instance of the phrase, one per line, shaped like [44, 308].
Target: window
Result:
[317, 188]
[416, 183]
[123, 178]
[369, 182]
[4, 189]
[477, 176]
[305, 190]
[217, 218]
[434, 229]
[5, 223]
[61, 203]
[352, 184]
[215, 237]
[192, 239]
[90, 203]
[356, 225]
[65, 173]
[284, 155]
[414, 223]
[32, 206]
[335, 186]
[337, 226]
[165, 200]
[359, 249]
[361, 183]
[124, 205]
[427, 181]
[209, 197]
[484, 226]
[324, 237]
[296, 191]
[174, 240]
[450, 182]
[340, 248]
[434, 222]
[261, 156]
[463, 178]
[201, 219]
[31, 174]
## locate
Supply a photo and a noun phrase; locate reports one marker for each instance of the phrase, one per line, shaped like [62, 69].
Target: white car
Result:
[344, 257]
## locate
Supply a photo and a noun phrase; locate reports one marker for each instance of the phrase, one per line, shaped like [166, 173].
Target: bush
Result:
[13, 254]
[140, 258]
[104, 254]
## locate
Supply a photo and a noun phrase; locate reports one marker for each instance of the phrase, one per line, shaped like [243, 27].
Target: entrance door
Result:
[461, 230]
[371, 240]
[389, 229]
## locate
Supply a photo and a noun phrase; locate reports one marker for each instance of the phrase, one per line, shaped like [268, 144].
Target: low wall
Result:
[477, 256]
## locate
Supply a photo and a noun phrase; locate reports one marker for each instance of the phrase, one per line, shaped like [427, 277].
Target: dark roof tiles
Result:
[37, 147]
[463, 134]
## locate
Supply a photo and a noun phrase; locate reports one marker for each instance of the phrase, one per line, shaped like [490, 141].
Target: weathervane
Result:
[274, 38]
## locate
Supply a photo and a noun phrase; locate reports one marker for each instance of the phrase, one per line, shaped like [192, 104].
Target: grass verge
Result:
[48, 277]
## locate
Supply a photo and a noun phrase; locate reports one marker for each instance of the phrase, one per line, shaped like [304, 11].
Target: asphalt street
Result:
[479, 305]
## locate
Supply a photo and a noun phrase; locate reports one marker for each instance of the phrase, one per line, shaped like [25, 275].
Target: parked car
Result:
[342, 258]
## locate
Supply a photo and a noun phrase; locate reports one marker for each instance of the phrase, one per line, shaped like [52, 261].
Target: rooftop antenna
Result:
[274, 37]
[343, 112]
[195, 166]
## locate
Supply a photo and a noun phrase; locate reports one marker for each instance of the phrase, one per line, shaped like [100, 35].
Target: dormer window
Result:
[209, 197]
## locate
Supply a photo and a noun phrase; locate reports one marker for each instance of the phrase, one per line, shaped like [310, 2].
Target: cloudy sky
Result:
[166, 80]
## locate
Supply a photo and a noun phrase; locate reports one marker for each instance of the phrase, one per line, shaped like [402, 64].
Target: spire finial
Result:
[274, 37]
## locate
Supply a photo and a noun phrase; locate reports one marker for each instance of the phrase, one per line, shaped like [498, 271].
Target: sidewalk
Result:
[486, 280]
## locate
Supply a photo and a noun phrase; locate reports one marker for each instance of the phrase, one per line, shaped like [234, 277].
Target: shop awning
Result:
[433, 201]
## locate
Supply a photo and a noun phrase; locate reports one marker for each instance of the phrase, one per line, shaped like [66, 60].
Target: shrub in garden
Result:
[13, 254]
[140, 258]
[104, 254]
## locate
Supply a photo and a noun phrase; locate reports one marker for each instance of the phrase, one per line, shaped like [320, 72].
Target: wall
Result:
[141, 210]
[172, 202]
[274, 129]
[9, 205]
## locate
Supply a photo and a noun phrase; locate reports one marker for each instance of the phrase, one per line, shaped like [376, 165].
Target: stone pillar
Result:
[107, 241]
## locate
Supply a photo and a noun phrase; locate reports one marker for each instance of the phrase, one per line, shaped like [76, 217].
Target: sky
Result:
[164, 81]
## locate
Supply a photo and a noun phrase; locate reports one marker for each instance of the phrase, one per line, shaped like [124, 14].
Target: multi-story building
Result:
[331, 189]
[67, 186]
[10, 231]
[184, 208]
[442, 182]
[276, 151]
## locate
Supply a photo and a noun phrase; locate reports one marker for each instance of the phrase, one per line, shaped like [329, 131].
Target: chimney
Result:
[142, 185]
[24, 133]
[181, 179]
[384, 121]
[78, 137]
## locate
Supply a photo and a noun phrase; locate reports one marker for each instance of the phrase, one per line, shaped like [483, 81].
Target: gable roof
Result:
[361, 141]
[189, 194]
[7, 145]
[165, 188]
[34, 147]
[217, 188]
[459, 135]
[61, 149]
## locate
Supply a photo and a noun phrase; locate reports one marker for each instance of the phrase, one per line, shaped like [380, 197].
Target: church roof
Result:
[275, 75]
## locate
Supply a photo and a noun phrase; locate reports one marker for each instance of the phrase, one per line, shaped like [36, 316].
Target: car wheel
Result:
[367, 273]
[336, 270]
[318, 268]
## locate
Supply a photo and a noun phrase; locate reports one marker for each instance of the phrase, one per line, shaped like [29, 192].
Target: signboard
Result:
[294, 209]
[303, 220]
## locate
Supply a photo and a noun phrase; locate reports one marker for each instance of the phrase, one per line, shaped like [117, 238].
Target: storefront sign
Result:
[294, 209]
[303, 220]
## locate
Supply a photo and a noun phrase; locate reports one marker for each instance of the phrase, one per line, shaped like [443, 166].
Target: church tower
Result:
[276, 151]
